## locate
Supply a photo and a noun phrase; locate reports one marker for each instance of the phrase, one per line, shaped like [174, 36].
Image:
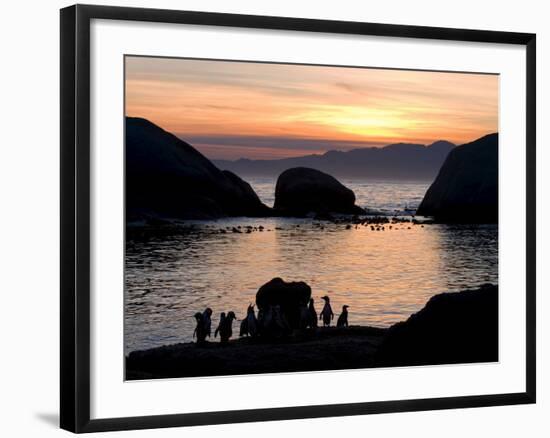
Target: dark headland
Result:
[168, 178]
[466, 188]
[459, 327]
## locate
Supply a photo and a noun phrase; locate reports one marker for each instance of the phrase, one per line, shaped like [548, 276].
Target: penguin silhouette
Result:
[279, 322]
[222, 319]
[207, 321]
[312, 314]
[244, 327]
[199, 331]
[260, 320]
[343, 318]
[226, 329]
[249, 325]
[326, 314]
[252, 322]
[304, 317]
[266, 321]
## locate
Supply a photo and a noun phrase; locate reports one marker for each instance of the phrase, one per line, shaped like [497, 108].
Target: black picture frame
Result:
[75, 217]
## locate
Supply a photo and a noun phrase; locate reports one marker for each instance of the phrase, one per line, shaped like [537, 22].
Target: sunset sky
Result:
[234, 110]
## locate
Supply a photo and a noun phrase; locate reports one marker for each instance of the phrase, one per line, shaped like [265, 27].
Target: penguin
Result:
[252, 322]
[280, 323]
[207, 321]
[222, 319]
[265, 320]
[343, 318]
[312, 314]
[226, 329]
[244, 327]
[326, 314]
[304, 316]
[199, 331]
[260, 321]
[249, 325]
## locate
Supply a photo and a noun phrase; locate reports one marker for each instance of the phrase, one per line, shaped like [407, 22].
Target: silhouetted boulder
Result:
[166, 177]
[279, 305]
[457, 327]
[302, 190]
[466, 188]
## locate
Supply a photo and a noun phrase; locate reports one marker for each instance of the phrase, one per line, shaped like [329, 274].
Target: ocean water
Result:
[386, 197]
[384, 276]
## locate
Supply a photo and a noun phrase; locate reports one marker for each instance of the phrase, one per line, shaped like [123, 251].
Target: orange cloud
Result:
[217, 98]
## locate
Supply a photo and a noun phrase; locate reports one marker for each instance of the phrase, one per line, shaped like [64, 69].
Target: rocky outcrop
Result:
[280, 304]
[466, 188]
[168, 178]
[457, 327]
[301, 190]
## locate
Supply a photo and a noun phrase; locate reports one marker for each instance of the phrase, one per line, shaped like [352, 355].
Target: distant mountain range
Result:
[401, 161]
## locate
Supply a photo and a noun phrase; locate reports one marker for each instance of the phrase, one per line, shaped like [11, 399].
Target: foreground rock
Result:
[302, 190]
[452, 328]
[168, 178]
[280, 304]
[466, 188]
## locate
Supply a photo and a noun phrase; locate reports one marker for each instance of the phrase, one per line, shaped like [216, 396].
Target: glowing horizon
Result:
[231, 110]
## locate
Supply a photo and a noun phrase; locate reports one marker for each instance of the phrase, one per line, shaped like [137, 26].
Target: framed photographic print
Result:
[337, 217]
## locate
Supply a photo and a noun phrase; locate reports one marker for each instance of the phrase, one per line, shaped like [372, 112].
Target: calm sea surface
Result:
[383, 276]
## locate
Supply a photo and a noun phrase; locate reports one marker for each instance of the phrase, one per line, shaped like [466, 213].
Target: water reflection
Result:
[383, 276]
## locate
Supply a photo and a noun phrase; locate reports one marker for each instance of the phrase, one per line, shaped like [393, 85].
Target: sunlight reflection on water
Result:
[383, 276]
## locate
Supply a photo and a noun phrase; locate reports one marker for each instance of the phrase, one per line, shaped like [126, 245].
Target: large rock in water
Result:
[289, 296]
[466, 189]
[302, 190]
[166, 177]
[459, 327]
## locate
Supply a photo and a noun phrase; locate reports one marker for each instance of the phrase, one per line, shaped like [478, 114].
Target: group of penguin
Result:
[309, 320]
[252, 326]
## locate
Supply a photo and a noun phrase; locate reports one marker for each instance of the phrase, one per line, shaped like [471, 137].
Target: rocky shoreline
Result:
[331, 348]
[460, 327]
[168, 227]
